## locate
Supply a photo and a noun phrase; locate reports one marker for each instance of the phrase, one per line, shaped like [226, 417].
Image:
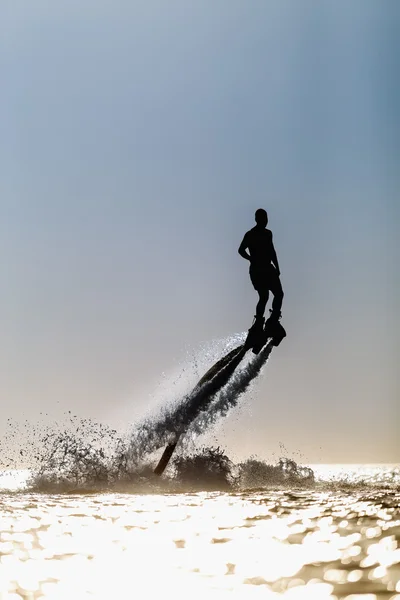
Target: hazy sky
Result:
[137, 139]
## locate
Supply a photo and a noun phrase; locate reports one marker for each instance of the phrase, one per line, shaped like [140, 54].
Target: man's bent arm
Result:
[274, 258]
[242, 249]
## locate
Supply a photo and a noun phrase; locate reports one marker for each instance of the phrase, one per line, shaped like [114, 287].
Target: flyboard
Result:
[219, 374]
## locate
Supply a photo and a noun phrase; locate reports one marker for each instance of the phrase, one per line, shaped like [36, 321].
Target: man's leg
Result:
[262, 303]
[257, 328]
[276, 288]
[260, 283]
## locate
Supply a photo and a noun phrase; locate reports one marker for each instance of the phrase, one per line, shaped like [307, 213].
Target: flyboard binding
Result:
[259, 333]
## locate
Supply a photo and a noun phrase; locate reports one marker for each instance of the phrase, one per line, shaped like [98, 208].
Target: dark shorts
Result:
[265, 279]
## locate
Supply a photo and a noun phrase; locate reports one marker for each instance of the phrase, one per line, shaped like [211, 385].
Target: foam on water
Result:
[205, 469]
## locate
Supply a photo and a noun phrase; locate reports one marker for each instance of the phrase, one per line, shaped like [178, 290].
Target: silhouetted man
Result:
[264, 267]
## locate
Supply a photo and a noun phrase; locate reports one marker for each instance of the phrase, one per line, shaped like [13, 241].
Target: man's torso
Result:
[259, 244]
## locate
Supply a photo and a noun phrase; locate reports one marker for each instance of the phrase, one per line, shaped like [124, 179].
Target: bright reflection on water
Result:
[298, 545]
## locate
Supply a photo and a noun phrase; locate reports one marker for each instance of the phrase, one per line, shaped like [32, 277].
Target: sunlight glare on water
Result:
[297, 545]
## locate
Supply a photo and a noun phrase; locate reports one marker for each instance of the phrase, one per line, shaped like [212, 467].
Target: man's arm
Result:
[274, 258]
[242, 248]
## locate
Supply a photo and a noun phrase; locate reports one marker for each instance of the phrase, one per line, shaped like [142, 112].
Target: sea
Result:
[265, 531]
[84, 517]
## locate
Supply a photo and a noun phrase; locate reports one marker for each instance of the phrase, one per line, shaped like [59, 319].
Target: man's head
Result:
[261, 217]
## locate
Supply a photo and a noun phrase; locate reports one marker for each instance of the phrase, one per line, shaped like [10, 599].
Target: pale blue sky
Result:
[138, 138]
